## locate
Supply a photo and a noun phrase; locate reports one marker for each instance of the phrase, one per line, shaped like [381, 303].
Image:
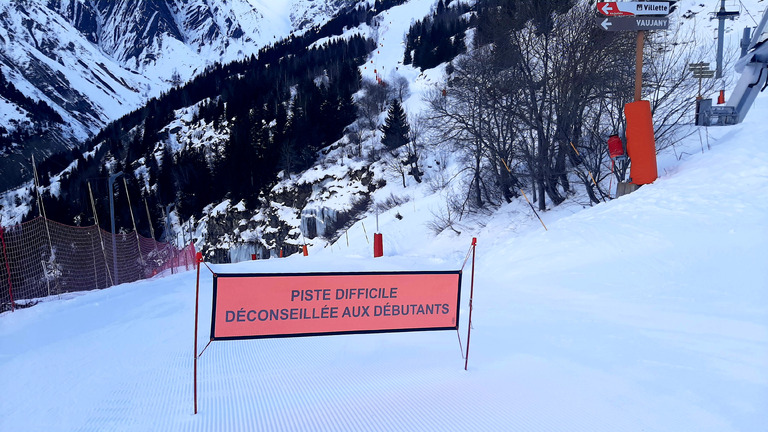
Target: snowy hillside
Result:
[646, 313]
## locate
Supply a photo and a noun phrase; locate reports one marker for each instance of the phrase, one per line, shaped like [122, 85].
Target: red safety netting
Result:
[41, 258]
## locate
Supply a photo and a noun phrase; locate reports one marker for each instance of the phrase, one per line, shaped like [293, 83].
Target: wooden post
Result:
[639, 65]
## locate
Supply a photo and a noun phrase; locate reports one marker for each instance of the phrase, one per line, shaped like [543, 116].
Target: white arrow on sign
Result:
[633, 8]
[606, 24]
[611, 9]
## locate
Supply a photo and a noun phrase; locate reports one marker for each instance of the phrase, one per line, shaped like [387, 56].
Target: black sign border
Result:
[333, 333]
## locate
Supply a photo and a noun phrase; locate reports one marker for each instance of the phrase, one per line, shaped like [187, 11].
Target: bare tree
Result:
[518, 107]
[401, 87]
[356, 135]
[371, 103]
[415, 146]
[562, 72]
[473, 112]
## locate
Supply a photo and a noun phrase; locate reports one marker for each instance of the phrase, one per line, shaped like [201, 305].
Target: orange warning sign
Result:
[272, 305]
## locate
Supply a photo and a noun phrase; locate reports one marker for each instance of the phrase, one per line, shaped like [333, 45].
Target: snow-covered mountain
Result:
[93, 61]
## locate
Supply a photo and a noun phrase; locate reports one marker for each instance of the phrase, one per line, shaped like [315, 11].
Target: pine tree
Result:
[396, 128]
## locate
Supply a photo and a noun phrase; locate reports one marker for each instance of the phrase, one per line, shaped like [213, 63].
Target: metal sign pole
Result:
[721, 16]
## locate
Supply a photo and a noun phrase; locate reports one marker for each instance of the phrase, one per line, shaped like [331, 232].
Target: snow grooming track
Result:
[297, 387]
[378, 382]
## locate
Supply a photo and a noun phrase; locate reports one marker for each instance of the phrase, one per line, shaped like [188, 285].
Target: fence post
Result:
[8, 269]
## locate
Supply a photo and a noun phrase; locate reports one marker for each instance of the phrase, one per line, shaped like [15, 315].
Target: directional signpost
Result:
[636, 16]
[701, 71]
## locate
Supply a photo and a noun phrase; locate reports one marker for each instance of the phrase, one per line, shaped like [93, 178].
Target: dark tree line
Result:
[278, 109]
[437, 38]
[39, 110]
[41, 114]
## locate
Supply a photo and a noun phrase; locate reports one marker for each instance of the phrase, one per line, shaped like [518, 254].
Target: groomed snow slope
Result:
[646, 313]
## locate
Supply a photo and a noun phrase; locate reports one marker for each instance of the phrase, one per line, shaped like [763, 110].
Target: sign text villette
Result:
[614, 9]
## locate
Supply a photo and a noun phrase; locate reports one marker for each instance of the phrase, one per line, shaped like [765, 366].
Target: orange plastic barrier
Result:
[641, 144]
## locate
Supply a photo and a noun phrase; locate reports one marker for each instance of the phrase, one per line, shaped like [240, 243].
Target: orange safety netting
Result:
[40, 258]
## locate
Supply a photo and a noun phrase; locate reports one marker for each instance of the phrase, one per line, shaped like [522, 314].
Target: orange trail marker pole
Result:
[526, 198]
[471, 296]
[588, 171]
[534, 210]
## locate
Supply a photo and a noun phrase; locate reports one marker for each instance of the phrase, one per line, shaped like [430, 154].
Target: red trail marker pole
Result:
[199, 259]
[378, 245]
[471, 296]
